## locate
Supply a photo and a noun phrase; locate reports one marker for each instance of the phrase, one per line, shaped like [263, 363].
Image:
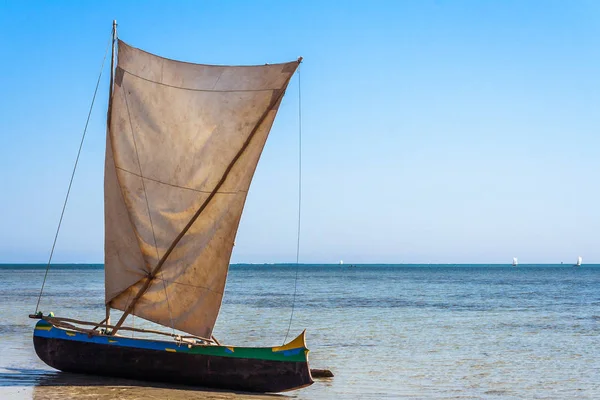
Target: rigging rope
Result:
[73, 173]
[299, 202]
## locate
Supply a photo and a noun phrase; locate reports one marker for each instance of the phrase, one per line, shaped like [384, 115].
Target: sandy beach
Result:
[60, 386]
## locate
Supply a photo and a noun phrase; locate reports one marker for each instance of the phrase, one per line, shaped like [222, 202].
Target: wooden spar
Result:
[59, 321]
[161, 262]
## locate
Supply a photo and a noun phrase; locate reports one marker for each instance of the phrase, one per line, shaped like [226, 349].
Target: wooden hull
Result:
[251, 369]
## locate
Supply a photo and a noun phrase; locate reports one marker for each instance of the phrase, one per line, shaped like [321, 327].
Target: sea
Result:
[385, 331]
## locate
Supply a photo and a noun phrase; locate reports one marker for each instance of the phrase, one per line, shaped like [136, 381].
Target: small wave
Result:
[15, 328]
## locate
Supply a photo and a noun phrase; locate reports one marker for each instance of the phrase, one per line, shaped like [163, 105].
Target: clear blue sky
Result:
[433, 131]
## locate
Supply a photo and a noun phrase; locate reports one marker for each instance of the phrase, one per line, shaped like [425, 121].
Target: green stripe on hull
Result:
[262, 353]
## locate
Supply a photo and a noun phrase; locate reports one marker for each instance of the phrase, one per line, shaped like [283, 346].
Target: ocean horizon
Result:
[345, 265]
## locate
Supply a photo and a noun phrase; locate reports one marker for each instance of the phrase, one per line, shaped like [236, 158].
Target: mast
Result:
[112, 70]
[110, 92]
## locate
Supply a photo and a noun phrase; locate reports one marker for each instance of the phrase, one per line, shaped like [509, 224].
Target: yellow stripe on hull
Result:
[43, 328]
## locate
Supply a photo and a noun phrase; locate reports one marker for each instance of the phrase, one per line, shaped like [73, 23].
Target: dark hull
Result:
[241, 374]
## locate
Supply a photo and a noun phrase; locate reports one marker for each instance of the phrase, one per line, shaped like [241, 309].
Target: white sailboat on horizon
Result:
[515, 262]
[578, 263]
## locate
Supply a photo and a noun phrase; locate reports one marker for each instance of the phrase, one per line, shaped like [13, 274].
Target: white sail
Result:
[578, 261]
[515, 262]
[182, 146]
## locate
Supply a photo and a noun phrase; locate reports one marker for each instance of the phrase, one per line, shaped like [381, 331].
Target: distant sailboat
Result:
[341, 262]
[578, 263]
[515, 262]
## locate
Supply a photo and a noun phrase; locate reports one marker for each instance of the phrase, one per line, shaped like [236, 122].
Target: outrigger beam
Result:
[64, 322]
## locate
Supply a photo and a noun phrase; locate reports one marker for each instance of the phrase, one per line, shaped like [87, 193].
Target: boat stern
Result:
[297, 351]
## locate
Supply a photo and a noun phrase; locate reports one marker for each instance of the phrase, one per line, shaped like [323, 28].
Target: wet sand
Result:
[114, 392]
[31, 384]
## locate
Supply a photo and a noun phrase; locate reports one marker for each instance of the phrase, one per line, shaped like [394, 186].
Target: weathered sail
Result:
[175, 129]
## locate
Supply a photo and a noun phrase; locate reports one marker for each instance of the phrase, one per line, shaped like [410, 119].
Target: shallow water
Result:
[444, 332]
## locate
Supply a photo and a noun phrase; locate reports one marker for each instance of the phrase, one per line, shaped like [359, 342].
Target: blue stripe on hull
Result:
[46, 330]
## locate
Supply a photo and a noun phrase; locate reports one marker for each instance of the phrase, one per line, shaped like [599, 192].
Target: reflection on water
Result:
[385, 332]
[24, 377]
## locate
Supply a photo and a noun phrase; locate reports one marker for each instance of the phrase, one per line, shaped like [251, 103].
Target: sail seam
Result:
[218, 79]
[178, 186]
[201, 90]
[147, 204]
